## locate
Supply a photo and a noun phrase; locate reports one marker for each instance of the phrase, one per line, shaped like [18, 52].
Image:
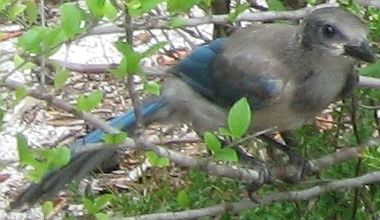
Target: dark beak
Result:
[362, 52]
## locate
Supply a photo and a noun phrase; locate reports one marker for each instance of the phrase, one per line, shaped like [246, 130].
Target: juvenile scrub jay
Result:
[288, 74]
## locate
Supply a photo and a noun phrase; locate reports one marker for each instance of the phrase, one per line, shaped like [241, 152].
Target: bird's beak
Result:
[362, 51]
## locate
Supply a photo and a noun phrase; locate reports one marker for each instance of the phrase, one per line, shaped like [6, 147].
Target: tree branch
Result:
[245, 204]
[164, 23]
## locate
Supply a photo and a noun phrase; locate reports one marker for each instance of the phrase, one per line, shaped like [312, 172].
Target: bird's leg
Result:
[298, 165]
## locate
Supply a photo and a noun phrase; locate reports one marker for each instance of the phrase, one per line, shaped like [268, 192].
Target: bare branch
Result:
[374, 3]
[161, 23]
[369, 82]
[244, 204]
[342, 155]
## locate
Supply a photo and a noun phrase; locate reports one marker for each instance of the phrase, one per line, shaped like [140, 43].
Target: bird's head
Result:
[336, 32]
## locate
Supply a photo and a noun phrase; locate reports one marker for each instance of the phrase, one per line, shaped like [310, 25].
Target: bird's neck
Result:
[322, 79]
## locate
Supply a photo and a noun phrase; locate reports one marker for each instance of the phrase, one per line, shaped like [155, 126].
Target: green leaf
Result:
[24, 153]
[183, 199]
[130, 63]
[155, 160]
[152, 157]
[59, 157]
[102, 201]
[276, 5]
[15, 10]
[20, 61]
[138, 7]
[110, 11]
[54, 37]
[239, 118]
[89, 205]
[101, 216]
[162, 162]
[176, 22]
[115, 138]
[226, 154]
[31, 11]
[60, 78]
[21, 93]
[87, 103]
[154, 49]
[152, 87]
[212, 142]
[31, 41]
[238, 10]
[71, 19]
[96, 7]
[181, 6]
[47, 208]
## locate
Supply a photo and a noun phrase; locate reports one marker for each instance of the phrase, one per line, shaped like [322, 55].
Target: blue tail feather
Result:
[123, 122]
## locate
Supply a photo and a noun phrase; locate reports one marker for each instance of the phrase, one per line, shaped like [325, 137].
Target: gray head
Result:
[336, 32]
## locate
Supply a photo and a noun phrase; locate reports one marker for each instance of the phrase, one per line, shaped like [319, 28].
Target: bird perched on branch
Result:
[287, 73]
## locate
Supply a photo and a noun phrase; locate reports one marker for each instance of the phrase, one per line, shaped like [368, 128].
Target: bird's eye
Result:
[328, 31]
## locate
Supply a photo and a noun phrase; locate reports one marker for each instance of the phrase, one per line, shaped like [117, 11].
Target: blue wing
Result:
[202, 71]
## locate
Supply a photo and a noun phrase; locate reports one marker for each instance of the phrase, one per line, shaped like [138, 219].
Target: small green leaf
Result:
[152, 157]
[15, 10]
[130, 63]
[177, 22]
[24, 153]
[54, 37]
[110, 11]
[31, 11]
[60, 157]
[71, 19]
[102, 201]
[239, 118]
[183, 199]
[162, 162]
[238, 10]
[276, 5]
[101, 216]
[47, 208]
[212, 142]
[89, 206]
[31, 41]
[21, 93]
[152, 87]
[138, 7]
[181, 6]
[154, 49]
[96, 7]
[115, 138]
[133, 5]
[155, 160]
[20, 61]
[87, 103]
[60, 78]
[227, 154]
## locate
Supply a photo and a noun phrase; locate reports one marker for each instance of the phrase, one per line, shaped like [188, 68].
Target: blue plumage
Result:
[123, 122]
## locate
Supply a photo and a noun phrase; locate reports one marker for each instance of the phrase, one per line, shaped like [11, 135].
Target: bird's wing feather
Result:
[224, 77]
